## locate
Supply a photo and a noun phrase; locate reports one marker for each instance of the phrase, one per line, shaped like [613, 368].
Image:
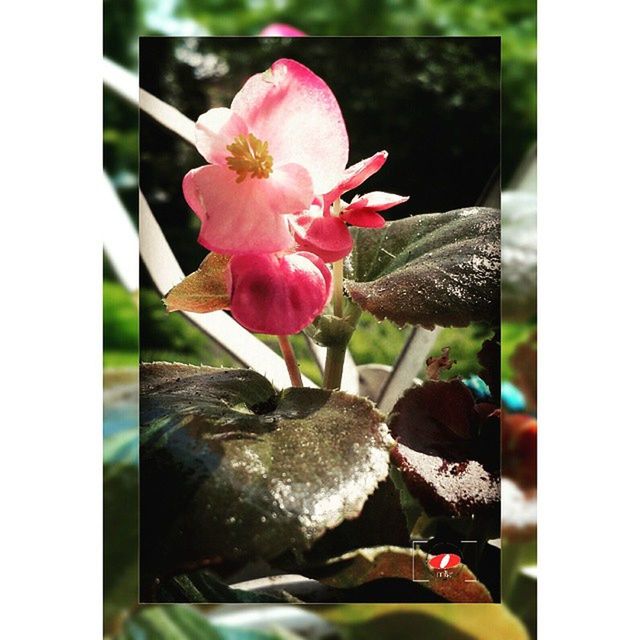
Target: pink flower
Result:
[322, 228]
[281, 29]
[282, 140]
[278, 294]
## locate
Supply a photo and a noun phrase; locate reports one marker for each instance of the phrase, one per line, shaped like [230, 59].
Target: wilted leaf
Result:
[203, 290]
[436, 364]
[432, 621]
[364, 565]
[231, 470]
[448, 449]
[432, 269]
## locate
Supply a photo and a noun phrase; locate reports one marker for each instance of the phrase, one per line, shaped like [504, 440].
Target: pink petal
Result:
[246, 217]
[279, 29]
[377, 200]
[326, 236]
[216, 129]
[363, 218]
[279, 295]
[355, 175]
[294, 110]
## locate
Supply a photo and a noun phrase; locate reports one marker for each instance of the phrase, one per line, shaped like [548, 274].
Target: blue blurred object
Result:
[478, 387]
[120, 416]
[512, 398]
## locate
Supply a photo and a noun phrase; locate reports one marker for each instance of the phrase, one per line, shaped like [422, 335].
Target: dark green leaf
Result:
[381, 522]
[432, 269]
[202, 586]
[231, 470]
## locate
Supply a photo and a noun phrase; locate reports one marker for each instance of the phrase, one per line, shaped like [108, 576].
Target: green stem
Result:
[338, 270]
[290, 359]
[333, 367]
[335, 354]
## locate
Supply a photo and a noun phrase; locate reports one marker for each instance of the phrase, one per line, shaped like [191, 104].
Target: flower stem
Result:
[335, 354]
[333, 367]
[290, 358]
[337, 288]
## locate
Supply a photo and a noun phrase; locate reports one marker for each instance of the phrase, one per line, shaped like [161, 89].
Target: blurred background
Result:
[451, 96]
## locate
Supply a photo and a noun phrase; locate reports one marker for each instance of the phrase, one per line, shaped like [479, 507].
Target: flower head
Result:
[278, 294]
[322, 228]
[280, 29]
[282, 140]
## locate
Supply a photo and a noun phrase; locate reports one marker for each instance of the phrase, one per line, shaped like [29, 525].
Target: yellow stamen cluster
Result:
[249, 156]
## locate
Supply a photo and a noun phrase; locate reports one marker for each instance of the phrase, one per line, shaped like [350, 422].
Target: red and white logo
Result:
[444, 561]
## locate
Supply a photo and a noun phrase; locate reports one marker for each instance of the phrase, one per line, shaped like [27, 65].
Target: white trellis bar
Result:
[120, 237]
[164, 268]
[411, 360]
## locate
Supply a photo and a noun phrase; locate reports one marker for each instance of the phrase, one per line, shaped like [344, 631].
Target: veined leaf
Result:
[432, 269]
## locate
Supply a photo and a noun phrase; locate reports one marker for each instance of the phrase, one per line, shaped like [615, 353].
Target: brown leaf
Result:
[435, 364]
[203, 290]
[448, 449]
[365, 565]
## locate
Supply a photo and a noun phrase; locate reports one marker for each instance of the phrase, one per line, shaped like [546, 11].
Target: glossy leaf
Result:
[381, 522]
[232, 470]
[203, 290]
[364, 565]
[432, 269]
[448, 449]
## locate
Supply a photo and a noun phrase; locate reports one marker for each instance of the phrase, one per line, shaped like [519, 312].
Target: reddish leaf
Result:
[448, 449]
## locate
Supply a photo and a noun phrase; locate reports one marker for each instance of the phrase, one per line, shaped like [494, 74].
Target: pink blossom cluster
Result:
[270, 195]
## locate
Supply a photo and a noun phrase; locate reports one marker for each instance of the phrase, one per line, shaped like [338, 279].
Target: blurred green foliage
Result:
[120, 326]
[171, 337]
[513, 20]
